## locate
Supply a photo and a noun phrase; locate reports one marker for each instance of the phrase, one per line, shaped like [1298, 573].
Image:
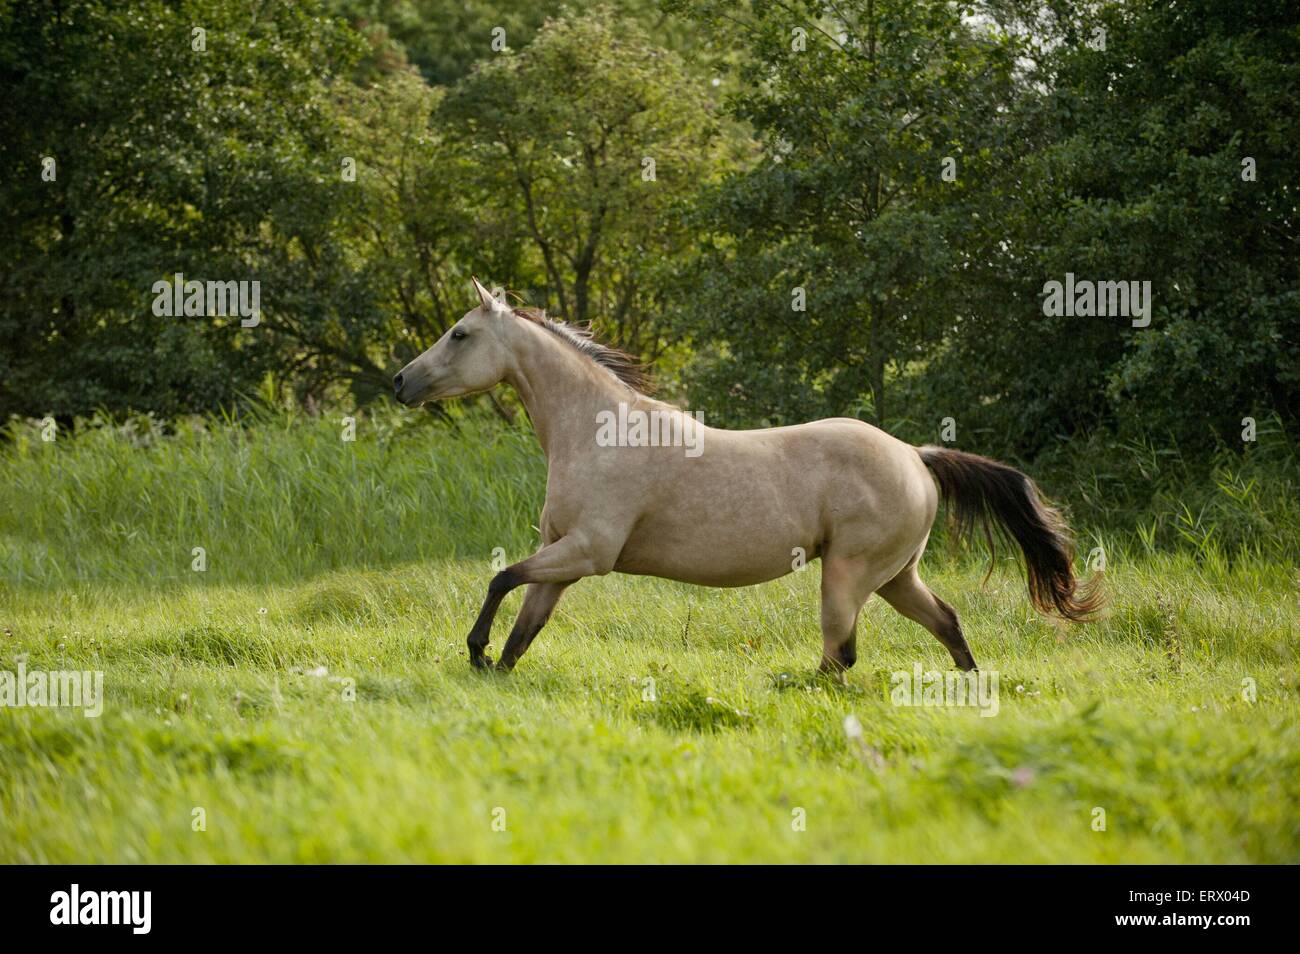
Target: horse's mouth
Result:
[411, 397]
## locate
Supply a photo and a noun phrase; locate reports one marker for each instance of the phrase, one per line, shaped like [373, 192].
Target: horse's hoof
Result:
[481, 662]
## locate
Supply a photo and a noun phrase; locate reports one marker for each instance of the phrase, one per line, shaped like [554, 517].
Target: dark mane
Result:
[626, 367]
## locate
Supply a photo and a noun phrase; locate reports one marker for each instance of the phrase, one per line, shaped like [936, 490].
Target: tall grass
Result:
[278, 496]
[1145, 495]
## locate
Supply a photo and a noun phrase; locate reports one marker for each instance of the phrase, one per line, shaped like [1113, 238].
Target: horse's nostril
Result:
[397, 383]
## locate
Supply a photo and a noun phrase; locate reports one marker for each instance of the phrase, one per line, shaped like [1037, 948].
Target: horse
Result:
[683, 501]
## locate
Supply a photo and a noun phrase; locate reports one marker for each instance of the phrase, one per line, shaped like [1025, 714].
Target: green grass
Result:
[370, 560]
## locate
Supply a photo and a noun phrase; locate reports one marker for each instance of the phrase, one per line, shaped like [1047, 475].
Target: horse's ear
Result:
[488, 300]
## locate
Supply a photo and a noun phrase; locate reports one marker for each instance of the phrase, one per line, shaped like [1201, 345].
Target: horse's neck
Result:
[562, 390]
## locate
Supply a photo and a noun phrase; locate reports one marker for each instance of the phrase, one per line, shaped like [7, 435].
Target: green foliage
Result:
[586, 141]
[1114, 161]
[292, 152]
[214, 164]
[444, 39]
[1139, 175]
[848, 205]
[795, 145]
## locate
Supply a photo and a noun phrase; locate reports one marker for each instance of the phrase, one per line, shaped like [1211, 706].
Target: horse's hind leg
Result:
[907, 594]
[845, 587]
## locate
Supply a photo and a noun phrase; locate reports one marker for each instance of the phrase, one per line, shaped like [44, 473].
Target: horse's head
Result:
[472, 356]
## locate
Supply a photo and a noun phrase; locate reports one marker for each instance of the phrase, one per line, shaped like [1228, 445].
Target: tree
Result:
[586, 141]
[837, 258]
[136, 142]
[1162, 149]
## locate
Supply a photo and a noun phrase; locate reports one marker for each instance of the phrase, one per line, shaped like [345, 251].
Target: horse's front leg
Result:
[565, 561]
[539, 601]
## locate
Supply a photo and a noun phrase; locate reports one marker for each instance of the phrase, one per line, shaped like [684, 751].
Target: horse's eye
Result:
[457, 334]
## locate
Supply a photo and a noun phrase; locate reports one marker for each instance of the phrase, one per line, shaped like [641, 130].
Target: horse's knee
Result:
[505, 581]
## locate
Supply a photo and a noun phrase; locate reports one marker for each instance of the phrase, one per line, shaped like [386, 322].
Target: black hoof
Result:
[843, 663]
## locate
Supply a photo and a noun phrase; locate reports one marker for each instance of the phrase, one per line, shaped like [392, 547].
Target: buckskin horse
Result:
[733, 512]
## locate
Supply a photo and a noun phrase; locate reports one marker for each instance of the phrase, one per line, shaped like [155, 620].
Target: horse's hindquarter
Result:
[755, 504]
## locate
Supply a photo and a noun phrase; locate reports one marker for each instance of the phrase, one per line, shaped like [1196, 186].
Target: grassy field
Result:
[309, 692]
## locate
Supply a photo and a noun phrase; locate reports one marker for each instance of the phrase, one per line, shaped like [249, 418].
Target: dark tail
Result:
[1003, 500]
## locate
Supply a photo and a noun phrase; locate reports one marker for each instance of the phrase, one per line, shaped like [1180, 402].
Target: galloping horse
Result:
[732, 507]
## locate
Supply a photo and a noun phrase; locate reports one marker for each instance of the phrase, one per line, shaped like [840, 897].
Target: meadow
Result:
[280, 613]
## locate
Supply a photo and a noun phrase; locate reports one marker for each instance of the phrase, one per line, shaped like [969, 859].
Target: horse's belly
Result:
[722, 573]
[713, 553]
